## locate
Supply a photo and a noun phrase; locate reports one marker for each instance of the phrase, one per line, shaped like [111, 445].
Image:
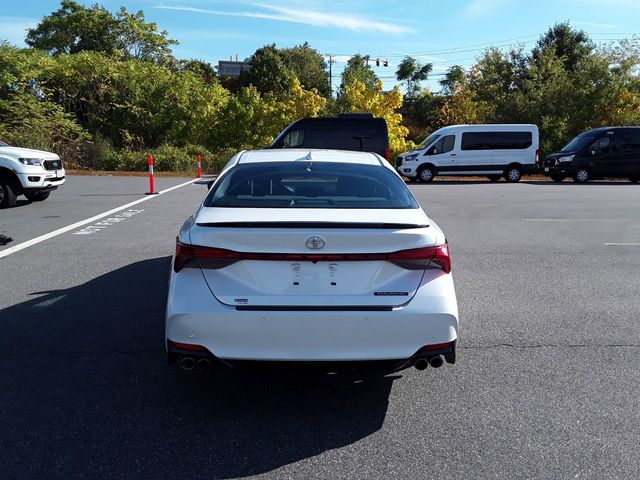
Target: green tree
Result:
[412, 73]
[453, 80]
[358, 69]
[309, 66]
[268, 72]
[28, 117]
[75, 28]
[199, 68]
[569, 44]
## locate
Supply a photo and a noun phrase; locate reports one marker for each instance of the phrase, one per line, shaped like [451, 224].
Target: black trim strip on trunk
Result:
[360, 225]
[317, 308]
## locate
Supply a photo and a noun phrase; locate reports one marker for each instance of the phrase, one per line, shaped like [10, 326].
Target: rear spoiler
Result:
[359, 225]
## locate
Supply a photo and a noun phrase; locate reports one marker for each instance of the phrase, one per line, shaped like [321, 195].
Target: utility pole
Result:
[330, 76]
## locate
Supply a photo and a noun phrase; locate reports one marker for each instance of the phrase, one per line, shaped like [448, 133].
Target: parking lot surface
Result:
[546, 385]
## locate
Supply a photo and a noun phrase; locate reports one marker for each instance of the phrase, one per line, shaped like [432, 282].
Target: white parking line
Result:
[629, 244]
[68, 228]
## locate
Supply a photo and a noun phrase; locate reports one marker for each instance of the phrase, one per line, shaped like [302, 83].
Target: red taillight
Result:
[205, 257]
[421, 258]
[387, 154]
[216, 258]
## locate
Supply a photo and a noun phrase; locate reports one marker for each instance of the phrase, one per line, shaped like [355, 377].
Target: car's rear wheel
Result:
[557, 178]
[634, 179]
[581, 175]
[493, 178]
[8, 197]
[426, 174]
[513, 174]
[37, 196]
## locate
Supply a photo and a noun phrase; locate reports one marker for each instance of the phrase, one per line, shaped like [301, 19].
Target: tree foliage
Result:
[384, 105]
[412, 73]
[273, 69]
[268, 73]
[74, 28]
[358, 70]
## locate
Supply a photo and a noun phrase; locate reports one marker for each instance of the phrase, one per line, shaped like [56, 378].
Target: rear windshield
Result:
[303, 184]
[580, 142]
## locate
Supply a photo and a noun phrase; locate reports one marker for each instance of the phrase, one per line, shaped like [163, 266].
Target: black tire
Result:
[557, 178]
[513, 174]
[493, 178]
[634, 179]
[8, 197]
[581, 175]
[37, 196]
[426, 174]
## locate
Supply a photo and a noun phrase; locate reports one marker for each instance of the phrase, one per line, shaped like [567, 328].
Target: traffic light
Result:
[377, 62]
[385, 63]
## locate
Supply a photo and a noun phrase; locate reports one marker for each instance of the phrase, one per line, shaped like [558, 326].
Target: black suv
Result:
[597, 153]
[348, 131]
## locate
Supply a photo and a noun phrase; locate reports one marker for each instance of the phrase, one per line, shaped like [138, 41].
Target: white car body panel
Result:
[430, 318]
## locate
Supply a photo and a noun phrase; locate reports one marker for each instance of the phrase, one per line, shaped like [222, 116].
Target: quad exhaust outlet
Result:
[188, 363]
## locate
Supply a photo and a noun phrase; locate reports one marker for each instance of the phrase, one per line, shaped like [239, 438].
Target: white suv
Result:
[32, 173]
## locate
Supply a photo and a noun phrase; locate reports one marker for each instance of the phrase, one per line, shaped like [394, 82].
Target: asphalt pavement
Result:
[546, 385]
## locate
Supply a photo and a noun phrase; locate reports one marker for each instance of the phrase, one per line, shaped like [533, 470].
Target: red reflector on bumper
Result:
[186, 346]
[436, 346]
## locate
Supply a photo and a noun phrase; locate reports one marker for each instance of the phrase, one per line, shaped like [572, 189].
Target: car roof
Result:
[302, 154]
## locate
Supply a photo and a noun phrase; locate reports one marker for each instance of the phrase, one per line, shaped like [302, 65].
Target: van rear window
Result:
[496, 140]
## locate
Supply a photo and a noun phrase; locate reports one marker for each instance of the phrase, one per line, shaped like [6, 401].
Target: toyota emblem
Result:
[315, 242]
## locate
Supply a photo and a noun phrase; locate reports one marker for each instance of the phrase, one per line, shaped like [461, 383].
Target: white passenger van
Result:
[493, 151]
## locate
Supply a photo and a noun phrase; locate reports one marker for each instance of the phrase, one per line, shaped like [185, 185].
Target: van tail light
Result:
[421, 258]
[387, 154]
[215, 258]
[537, 157]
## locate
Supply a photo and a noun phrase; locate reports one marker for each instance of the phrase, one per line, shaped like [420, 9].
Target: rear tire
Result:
[513, 174]
[493, 178]
[426, 174]
[8, 197]
[37, 196]
[634, 179]
[557, 178]
[581, 175]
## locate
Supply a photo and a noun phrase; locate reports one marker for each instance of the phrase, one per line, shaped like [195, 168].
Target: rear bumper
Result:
[194, 316]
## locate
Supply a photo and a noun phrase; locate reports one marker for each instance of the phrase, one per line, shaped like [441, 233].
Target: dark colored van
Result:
[597, 153]
[348, 131]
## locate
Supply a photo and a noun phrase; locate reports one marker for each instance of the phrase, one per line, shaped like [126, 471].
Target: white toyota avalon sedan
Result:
[322, 258]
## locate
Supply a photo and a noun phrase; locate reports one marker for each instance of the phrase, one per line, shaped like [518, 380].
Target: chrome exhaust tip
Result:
[436, 362]
[187, 363]
[204, 364]
[421, 364]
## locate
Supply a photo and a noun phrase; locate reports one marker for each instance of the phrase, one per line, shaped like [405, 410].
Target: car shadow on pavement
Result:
[86, 392]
